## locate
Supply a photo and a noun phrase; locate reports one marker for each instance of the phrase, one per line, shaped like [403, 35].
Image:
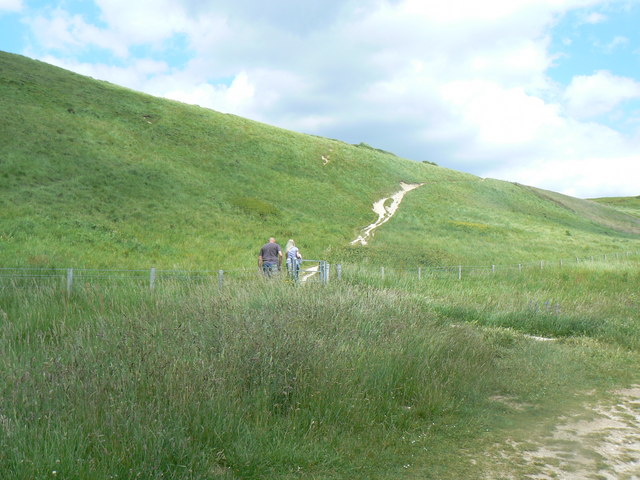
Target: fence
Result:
[310, 271]
[460, 272]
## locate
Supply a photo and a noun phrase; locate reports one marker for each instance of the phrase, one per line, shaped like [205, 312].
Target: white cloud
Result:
[584, 177]
[500, 117]
[62, 30]
[461, 83]
[617, 41]
[594, 18]
[579, 159]
[235, 97]
[144, 21]
[11, 6]
[590, 96]
[123, 25]
[136, 75]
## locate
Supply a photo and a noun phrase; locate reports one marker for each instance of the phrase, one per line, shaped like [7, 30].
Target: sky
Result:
[539, 92]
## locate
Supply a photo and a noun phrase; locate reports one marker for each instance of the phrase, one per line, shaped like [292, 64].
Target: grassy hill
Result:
[95, 175]
[628, 205]
[371, 377]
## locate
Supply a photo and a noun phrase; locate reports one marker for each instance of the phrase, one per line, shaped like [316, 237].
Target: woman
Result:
[293, 256]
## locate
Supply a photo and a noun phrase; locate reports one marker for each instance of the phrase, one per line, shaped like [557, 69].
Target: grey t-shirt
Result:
[269, 252]
[292, 254]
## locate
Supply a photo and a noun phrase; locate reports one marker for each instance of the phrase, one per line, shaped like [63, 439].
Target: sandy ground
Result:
[385, 212]
[602, 443]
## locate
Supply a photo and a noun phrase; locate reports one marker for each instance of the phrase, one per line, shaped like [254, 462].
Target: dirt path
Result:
[385, 212]
[601, 444]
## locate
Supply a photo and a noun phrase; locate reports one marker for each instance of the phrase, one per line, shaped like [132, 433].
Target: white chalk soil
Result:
[602, 443]
[307, 273]
[385, 208]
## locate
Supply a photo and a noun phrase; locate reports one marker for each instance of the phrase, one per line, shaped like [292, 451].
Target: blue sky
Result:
[540, 92]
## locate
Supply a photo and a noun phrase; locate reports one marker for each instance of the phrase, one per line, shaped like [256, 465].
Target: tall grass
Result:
[597, 299]
[267, 380]
[253, 382]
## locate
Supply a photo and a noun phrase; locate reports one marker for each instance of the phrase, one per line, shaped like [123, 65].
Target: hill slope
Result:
[628, 205]
[92, 174]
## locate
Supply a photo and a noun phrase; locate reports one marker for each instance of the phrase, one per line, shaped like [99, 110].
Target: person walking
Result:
[293, 256]
[270, 258]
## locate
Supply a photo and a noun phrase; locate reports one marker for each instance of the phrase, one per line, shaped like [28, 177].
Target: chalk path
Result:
[602, 444]
[385, 212]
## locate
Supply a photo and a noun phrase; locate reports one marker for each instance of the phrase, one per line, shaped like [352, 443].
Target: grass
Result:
[95, 175]
[596, 299]
[368, 377]
[628, 205]
[355, 379]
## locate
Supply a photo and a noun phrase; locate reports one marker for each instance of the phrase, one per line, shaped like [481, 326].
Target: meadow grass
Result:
[628, 205]
[262, 379]
[597, 299]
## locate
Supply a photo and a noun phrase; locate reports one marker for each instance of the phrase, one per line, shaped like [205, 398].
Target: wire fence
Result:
[461, 272]
[309, 271]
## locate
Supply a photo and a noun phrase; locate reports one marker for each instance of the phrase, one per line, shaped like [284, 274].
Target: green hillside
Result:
[95, 175]
[628, 205]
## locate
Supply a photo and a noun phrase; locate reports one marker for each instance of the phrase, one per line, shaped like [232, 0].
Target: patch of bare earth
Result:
[602, 444]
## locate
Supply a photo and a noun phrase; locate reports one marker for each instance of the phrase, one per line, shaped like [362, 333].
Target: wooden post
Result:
[220, 279]
[69, 280]
[459, 272]
[519, 267]
[152, 278]
[382, 272]
[419, 273]
[493, 269]
[339, 271]
[541, 264]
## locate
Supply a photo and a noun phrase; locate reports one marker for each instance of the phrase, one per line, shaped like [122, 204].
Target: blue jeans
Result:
[269, 269]
[293, 267]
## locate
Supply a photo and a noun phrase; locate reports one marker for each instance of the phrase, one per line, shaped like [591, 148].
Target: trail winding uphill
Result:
[385, 212]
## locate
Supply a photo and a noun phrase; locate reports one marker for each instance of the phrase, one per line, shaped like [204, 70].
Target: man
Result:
[270, 258]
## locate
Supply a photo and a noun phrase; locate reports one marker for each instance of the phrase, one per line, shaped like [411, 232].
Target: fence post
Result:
[493, 269]
[382, 272]
[419, 273]
[339, 271]
[69, 280]
[519, 267]
[220, 278]
[560, 262]
[152, 278]
[459, 272]
[327, 268]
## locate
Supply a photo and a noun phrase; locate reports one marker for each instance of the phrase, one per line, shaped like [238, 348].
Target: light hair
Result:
[290, 244]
